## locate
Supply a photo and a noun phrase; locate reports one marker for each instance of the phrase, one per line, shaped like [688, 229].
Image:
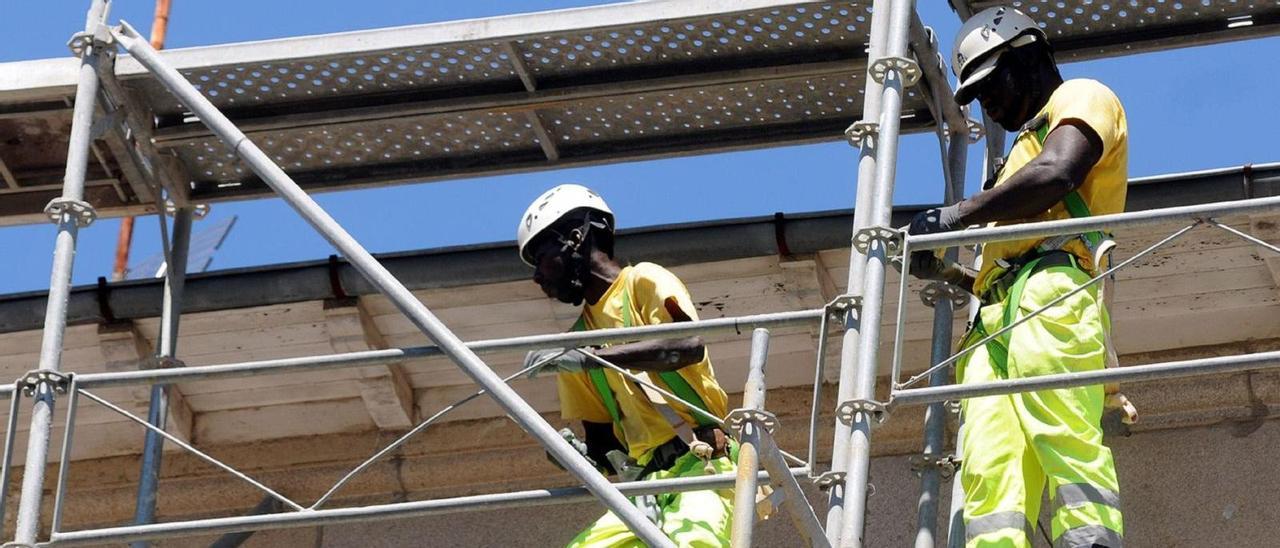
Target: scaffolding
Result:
[689, 58]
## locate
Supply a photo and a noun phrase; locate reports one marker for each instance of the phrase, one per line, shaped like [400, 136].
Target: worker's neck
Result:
[604, 271]
[1047, 81]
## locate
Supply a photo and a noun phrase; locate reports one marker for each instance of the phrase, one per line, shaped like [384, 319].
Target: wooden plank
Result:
[283, 421]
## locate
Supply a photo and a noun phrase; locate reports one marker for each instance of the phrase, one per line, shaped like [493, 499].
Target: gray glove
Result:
[938, 219]
[568, 360]
[926, 265]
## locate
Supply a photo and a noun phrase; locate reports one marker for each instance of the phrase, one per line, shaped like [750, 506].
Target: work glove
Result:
[938, 219]
[925, 265]
[567, 360]
[577, 444]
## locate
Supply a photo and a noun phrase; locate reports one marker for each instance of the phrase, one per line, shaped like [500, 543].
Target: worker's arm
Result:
[658, 355]
[1070, 151]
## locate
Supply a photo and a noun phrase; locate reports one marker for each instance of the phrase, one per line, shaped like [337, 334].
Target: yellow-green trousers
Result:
[1015, 444]
[693, 518]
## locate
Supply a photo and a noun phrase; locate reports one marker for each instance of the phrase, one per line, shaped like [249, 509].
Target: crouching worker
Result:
[567, 236]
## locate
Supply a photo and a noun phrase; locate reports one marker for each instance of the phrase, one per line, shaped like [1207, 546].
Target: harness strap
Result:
[1076, 207]
[600, 382]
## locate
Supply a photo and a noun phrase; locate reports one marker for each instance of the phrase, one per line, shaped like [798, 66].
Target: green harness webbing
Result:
[673, 379]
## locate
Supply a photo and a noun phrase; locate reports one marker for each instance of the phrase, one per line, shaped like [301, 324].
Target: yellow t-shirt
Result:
[646, 288]
[1104, 188]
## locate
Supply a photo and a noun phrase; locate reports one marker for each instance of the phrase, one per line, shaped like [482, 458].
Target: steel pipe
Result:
[744, 491]
[794, 502]
[55, 322]
[175, 276]
[417, 313]
[717, 326]
[336, 516]
[858, 469]
[867, 160]
[1133, 373]
[1100, 222]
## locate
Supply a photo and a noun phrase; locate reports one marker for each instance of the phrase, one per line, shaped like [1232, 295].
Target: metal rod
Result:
[203, 456]
[1167, 370]
[867, 159]
[55, 323]
[819, 369]
[793, 501]
[744, 491]
[175, 276]
[64, 463]
[420, 427]
[1246, 236]
[11, 430]
[935, 416]
[1099, 222]
[336, 516]
[494, 346]
[853, 518]
[519, 410]
[1055, 302]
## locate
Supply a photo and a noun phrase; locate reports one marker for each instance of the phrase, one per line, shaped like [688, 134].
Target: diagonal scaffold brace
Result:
[417, 313]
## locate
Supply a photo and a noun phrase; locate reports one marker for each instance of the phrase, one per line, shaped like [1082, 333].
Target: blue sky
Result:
[1188, 109]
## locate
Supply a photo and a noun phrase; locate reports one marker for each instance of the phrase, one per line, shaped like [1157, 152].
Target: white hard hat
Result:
[980, 41]
[552, 206]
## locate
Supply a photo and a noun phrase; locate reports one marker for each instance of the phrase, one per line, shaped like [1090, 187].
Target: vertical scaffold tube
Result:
[935, 417]
[64, 251]
[858, 469]
[861, 214]
[175, 276]
[519, 410]
[744, 501]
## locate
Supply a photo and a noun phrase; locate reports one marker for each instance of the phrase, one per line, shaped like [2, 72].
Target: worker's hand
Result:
[938, 219]
[925, 265]
[567, 360]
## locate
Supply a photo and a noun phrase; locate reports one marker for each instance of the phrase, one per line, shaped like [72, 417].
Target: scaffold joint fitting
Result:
[842, 305]
[198, 212]
[937, 291]
[907, 69]
[31, 381]
[80, 210]
[164, 362]
[946, 464]
[83, 40]
[847, 411]
[976, 130]
[829, 479]
[738, 418]
[891, 239]
[858, 133]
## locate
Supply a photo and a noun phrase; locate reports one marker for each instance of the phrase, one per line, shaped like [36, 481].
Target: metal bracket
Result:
[200, 212]
[80, 210]
[891, 239]
[738, 418]
[952, 406]
[840, 306]
[976, 130]
[907, 69]
[104, 123]
[163, 362]
[829, 479]
[81, 41]
[936, 291]
[31, 381]
[946, 464]
[848, 411]
[858, 133]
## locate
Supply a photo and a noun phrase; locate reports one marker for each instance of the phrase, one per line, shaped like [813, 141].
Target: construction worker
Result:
[1070, 159]
[567, 236]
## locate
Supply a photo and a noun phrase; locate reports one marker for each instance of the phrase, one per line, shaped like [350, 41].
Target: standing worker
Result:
[1070, 159]
[567, 236]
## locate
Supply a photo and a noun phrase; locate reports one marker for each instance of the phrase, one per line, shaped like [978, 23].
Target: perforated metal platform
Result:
[535, 91]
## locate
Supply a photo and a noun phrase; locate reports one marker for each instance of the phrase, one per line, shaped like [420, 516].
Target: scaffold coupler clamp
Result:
[890, 238]
[83, 40]
[842, 305]
[908, 70]
[848, 411]
[32, 380]
[81, 211]
[199, 211]
[946, 464]
[829, 479]
[976, 130]
[858, 133]
[737, 419]
[164, 362]
[935, 292]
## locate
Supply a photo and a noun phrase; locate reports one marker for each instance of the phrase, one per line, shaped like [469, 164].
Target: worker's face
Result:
[551, 273]
[1003, 95]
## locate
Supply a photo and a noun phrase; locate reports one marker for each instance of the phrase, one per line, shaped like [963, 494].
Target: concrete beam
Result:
[124, 348]
[1267, 228]
[385, 389]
